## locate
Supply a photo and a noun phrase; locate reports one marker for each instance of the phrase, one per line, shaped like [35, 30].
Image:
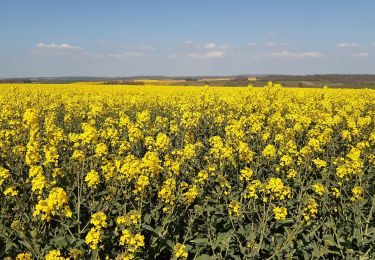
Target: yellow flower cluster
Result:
[277, 189]
[92, 179]
[99, 220]
[55, 255]
[311, 209]
[269, 152]
[280, 213]
[166, 193]
[132, 242]
[4, 174]
[24, 256]
[234, 208]
[246, 174]
[133, 217]
[93, 237]
[38, 180]
[10, 191]
[55, 203]
[252, 189]
[319, 189]
[191, 193]
[357, 193]
[180, 251]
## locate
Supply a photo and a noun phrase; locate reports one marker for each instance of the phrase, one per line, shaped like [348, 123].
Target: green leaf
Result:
[170, 243]
[202, 241]
[60, 242]
[203, 257]
[94, 254]
[25, 244]
[151, 229]
[235, 257]
[330, 238]
[79, 242]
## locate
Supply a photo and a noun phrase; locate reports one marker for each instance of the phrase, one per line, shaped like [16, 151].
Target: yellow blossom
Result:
[311, 209]
[234, 208]
[101, 149]
[24, 256]
[269, 152]
[357, 192]
[4, 174]
[191, 194]
[246, 174]
[99, 220]
[92, 179]
[10, 191]
[276, 187]
[319, 189]
[336, 192]
[55, 203]
[93, 238]
[280, 213]
[180, 251]
[55, 255]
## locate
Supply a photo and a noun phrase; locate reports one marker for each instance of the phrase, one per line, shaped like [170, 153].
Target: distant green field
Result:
[304, 81]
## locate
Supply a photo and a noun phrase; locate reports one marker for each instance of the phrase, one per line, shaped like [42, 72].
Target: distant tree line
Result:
[329, 78]
[123, 82]
[16, 81]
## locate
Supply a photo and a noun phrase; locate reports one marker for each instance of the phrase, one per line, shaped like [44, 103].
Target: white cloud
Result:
[53, 46]
[99, 56]
[188, 42]
[225, 47]
[252, 44]
[210, 45]
[215, 54]
[210, 54]
[270, 34]
[348, 45]
[147, 48]
[360, 55]
[294, 55]
[275, 44]
[126, 55]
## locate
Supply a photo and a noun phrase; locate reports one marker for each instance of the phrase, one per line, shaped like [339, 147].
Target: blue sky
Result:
[182, 38]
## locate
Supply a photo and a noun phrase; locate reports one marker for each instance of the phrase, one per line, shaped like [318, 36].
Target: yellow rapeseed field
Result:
[90, 171]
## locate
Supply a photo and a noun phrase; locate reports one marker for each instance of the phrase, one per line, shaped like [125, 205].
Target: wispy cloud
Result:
[54, 46]
[348, 45]
[213, 45]
[215, 54]
[225, 47]
[270, 33]
[147, 48]
[276, 44]
[210, 54]
[288, 54]
[125, 55]
[360, 55]
[210, 45]
[252, 44]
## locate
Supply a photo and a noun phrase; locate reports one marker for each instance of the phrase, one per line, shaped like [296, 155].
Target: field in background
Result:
[317, 81]
[307, 81]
